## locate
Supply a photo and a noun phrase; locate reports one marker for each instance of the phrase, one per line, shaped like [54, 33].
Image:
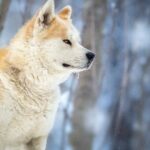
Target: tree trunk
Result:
[129, 129]
[4, 5]
[87, 89]
[113, 68]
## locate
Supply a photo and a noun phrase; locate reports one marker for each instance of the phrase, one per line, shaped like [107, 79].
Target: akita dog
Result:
[38, 59]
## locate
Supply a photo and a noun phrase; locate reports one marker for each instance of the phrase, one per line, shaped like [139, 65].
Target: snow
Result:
[95, 120]
[140, 36]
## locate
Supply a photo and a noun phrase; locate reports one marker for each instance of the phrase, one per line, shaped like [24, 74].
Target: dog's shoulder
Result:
[3, 55]
[4, 52]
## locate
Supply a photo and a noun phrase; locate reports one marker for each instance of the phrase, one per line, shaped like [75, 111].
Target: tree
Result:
[129, 123]
[4, 5]
[88, 85]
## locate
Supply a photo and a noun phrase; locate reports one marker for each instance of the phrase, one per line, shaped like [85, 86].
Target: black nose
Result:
[90, 56]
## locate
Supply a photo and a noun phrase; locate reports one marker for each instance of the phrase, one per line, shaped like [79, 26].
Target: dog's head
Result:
[59, 41]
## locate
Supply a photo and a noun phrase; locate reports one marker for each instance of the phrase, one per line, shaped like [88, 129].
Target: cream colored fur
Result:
[30, 74]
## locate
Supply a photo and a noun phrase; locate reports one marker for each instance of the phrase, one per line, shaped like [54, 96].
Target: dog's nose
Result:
[90, 56]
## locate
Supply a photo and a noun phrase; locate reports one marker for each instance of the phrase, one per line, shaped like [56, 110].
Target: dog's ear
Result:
[66, 12]
[46, 14]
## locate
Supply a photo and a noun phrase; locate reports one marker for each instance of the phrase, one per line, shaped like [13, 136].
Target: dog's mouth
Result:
[68, 66]
[65, 65]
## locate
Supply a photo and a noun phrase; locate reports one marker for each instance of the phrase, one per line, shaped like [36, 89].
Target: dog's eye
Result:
[67, 42]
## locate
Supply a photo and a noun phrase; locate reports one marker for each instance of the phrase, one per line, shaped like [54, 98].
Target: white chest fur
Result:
[27, 110]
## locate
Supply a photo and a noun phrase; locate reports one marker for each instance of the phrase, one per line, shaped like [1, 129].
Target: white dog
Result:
[40, 57]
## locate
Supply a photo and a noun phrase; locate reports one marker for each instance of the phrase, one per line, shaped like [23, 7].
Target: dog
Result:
[41, 56]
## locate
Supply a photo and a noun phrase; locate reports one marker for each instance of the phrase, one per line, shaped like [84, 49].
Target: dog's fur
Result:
[32, 66]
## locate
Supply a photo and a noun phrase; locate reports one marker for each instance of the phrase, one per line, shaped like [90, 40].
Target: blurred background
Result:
[107, 107]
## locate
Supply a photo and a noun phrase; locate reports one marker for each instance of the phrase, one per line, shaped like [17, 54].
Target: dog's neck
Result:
[26, 59]
[34, 81]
